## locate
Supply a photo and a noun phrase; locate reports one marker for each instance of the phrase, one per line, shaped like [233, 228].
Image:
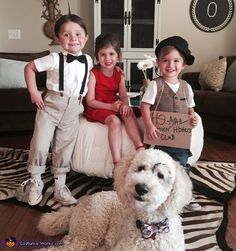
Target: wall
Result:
[175, 20]
[26, 16]
[205, 46]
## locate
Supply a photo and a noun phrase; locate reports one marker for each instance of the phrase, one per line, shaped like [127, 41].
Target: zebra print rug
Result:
[214, 183]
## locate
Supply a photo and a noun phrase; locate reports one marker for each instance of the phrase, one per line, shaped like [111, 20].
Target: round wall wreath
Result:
[211, 15]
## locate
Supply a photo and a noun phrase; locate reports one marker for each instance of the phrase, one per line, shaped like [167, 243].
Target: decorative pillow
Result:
[230, 78]
[12, 73]
[212, 75]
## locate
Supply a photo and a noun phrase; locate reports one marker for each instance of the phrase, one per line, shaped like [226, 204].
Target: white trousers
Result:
[57, 123]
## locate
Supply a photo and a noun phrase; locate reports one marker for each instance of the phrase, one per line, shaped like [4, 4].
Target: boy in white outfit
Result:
[57, 118]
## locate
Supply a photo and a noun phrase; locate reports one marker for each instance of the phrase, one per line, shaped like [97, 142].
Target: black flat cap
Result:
[180, 44]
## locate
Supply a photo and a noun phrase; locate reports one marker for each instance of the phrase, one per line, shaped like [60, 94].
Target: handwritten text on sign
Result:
[175, 129]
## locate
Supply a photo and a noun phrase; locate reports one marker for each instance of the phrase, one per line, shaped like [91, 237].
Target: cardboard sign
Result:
[175, 128]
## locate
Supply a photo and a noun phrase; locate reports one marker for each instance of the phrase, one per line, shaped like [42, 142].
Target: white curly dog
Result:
[143, 213]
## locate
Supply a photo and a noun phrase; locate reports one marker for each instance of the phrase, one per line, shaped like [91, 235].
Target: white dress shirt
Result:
[73, 73]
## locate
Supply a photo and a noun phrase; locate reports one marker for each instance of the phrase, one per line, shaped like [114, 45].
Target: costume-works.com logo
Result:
[10, 242]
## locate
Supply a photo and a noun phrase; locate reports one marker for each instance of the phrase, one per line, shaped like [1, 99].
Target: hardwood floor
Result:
[20, 221]
[219, 149]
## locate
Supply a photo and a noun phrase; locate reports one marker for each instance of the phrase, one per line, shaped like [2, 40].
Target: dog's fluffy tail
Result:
[55, 223]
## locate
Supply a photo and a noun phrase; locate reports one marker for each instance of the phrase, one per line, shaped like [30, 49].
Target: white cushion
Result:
[12, 73]
[197, 142]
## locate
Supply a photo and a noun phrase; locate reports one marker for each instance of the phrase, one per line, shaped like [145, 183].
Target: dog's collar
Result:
[150, 230]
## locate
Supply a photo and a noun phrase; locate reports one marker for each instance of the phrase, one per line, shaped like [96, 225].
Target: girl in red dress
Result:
[107, 100]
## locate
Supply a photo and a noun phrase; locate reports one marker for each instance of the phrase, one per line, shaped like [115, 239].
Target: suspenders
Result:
[61, 72]
[61, 75]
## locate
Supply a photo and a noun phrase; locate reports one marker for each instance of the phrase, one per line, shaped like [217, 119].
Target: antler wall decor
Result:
[51, 14]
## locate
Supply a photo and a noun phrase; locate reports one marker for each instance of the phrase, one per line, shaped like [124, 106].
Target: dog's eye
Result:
[160, 175]
[140, 168]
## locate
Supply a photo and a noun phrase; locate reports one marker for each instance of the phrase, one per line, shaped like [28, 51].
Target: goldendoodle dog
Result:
[142, 213]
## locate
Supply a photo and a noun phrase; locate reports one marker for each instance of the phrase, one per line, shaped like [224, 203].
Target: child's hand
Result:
[36, 98]
[152, 132]
[116, 106]
[125, 110]
[193, 119]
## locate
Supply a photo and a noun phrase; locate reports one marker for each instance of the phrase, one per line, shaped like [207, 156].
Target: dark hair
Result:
[104, 40]
[69, 18]
[167, 49]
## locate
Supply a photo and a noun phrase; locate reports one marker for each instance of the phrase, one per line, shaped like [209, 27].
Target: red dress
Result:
[106, 89]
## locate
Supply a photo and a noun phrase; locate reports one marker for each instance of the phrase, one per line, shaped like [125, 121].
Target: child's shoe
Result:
[63, 195]
[35, 191]
[193, 205]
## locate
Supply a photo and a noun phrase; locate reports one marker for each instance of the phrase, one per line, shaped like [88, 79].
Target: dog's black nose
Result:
[141, 189]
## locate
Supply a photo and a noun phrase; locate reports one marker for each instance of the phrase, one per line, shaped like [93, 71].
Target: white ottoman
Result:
[92, 154]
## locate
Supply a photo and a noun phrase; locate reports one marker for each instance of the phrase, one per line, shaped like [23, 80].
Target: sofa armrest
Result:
[27, 57]
[192, 79]
[23, 56]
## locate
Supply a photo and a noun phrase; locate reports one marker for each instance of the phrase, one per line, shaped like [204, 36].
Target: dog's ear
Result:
[120, 172]
[181, 193]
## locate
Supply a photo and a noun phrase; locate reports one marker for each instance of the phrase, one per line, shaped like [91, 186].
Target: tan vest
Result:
[168, 101]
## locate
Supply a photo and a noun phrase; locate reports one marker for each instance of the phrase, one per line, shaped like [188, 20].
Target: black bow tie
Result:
[70, 58]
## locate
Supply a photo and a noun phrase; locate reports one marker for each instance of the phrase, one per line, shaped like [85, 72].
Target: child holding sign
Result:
[168, 93]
